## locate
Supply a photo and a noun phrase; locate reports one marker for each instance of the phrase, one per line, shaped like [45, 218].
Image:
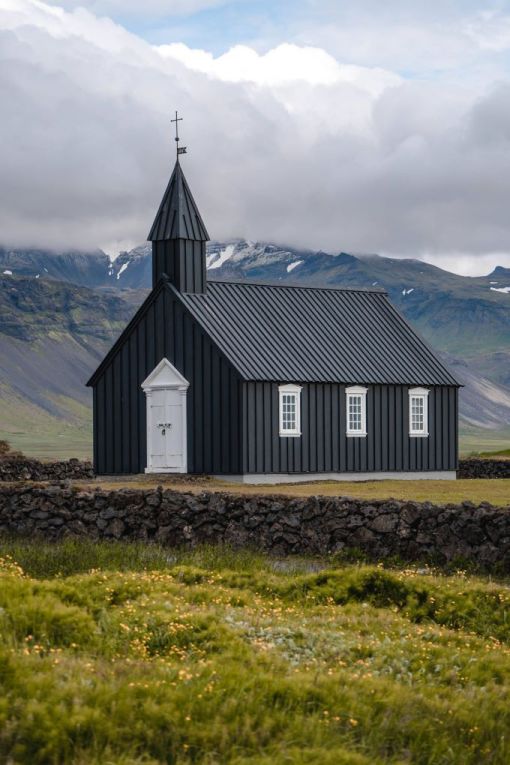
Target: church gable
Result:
[123, 339]
[160, 319]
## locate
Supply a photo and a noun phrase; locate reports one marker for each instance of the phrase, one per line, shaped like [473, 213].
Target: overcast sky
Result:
[358, 126]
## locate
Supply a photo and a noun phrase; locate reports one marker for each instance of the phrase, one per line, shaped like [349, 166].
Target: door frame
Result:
[165, 376]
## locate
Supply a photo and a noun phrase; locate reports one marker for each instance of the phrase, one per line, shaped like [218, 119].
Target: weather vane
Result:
[180, 149]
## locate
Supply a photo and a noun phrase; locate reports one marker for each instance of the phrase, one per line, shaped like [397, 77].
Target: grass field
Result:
[495, 491]
[501, 453]
[129, 654]
[38, 434]
[480, 440]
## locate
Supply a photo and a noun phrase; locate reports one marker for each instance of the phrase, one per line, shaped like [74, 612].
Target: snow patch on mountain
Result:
[217, 259]
[294, 265]
[505, 290]
[407, 291]
[122, 269]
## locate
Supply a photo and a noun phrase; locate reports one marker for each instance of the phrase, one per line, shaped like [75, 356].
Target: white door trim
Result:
[165, 376]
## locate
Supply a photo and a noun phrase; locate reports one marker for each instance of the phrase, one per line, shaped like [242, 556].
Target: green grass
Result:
[36, 433]
[474, 440]
[113, 653]
[500, 453]
[56, 441]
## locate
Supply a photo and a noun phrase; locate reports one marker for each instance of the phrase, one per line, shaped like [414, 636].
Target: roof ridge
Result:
[313, 334]
[380, 291]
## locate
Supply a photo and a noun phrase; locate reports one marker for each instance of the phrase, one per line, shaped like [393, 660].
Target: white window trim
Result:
[422, 393]
[356, 390]
[285, 390]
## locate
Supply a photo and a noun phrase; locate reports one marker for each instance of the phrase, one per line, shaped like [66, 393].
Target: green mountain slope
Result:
[51, 336]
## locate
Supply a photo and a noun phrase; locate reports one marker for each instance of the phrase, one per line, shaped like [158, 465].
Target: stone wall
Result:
[14, 467]
[476, 467]
[276, 524]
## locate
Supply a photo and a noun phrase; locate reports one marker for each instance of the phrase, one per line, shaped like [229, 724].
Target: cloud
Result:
[291, 145]
[489, 30]
[459, 263]
[280, 66]
[152, 8]
[452, 39]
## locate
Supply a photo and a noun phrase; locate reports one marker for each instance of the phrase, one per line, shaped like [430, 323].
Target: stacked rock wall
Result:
[475, 467]
[275, 524]
[15, 467]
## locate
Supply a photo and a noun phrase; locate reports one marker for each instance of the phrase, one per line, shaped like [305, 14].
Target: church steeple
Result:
[178, 236]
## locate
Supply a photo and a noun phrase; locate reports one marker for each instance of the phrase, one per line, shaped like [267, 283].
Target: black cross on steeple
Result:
[180, 149]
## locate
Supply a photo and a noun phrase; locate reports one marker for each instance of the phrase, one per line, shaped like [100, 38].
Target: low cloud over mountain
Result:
[293, 142]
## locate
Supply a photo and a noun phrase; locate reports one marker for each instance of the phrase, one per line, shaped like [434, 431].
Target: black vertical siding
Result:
[183, 261]
[213, 400]
[323, 445]
[233, 426]
[95, 406]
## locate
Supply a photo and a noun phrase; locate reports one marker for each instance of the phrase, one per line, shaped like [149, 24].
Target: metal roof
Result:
[178, 216]
[308, 334]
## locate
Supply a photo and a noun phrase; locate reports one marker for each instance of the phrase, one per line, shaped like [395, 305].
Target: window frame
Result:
[423, 395]
[289, 389]
[356, 391]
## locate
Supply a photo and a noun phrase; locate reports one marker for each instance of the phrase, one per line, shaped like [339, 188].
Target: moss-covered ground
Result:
[129, 654]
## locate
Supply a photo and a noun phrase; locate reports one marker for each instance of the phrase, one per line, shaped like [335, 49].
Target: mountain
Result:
[89, 269]
[466, 316]
[475, 311]
[59, 312]
[133, 269]
[52, 335]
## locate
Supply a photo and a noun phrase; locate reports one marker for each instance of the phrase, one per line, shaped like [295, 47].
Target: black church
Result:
[266, 383]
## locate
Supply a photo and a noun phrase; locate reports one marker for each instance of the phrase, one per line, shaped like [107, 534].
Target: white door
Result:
[166, 390]
[166, 442]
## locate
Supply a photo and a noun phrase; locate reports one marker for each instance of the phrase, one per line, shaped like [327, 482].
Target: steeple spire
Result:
[178, 234]
[178, 216]
[180, 149]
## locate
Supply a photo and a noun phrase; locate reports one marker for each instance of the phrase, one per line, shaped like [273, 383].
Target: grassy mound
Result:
[131, 654]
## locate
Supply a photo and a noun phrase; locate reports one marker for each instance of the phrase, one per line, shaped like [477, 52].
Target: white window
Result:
[418, 412]
[356, 410]
[290, 410]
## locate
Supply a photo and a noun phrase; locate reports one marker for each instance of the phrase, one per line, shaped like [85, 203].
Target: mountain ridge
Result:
[47, 301]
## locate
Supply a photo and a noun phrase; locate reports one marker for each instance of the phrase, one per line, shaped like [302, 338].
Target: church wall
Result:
[233, 426]
[323, 445]
[213, 400]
